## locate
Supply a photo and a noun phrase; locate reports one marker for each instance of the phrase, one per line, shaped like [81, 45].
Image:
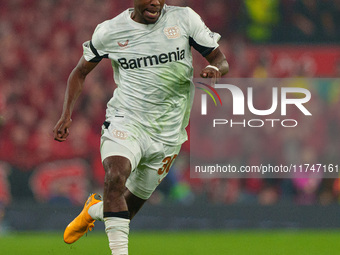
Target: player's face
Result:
[147, 11]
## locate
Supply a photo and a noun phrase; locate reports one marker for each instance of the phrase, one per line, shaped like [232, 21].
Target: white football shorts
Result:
[150, 160]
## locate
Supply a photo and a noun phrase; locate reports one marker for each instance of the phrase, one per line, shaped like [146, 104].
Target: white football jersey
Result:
[152, 66]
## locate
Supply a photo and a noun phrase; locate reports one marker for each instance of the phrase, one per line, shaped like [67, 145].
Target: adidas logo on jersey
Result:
[152, 60]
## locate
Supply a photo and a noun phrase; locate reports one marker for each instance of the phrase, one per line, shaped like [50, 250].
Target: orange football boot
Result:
[83, 222]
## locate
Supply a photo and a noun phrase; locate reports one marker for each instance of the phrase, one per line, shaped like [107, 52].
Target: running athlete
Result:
[150, 50]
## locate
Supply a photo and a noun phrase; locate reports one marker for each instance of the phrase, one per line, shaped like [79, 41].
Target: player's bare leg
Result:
[94, 207]
[117, 170]
[116, 213]
[134, 203]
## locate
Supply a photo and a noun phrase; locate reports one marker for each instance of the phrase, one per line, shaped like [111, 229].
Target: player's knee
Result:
[117, 170]
[115, 179]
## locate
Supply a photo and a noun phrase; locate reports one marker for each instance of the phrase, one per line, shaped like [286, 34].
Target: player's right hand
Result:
[61, 129]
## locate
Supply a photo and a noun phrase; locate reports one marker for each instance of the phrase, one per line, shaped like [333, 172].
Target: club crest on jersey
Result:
[172, 32]
[123, 45]
[119, 134]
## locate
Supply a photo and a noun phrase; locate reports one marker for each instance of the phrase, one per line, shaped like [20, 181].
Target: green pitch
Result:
[173, 243]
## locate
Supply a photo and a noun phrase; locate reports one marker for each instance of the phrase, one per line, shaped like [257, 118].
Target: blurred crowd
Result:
[40, 43]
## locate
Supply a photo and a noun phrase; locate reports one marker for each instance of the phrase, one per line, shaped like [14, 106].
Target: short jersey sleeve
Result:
[94, 50]
[200, 36]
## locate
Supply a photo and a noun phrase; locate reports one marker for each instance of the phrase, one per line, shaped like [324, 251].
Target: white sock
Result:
[117, 230]
[96, 211]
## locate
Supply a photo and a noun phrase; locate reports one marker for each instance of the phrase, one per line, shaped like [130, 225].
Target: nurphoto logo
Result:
[264, 128]
[280, 97]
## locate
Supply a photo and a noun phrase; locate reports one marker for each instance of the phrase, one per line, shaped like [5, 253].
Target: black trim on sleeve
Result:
[201, 49]
[98, 58]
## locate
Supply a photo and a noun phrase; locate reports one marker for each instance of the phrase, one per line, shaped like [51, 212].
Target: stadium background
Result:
[43, 183]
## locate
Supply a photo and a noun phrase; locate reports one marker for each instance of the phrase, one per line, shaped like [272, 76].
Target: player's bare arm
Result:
[75, 85]
[218, 65]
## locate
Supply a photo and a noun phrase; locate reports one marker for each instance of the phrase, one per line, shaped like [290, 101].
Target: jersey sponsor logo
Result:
[162, 58]
[123, 45]
[172, 32]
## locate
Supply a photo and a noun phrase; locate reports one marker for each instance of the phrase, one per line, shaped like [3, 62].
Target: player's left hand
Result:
[210, 72]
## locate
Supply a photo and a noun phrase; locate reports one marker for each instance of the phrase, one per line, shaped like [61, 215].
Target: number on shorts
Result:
[167, 163]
